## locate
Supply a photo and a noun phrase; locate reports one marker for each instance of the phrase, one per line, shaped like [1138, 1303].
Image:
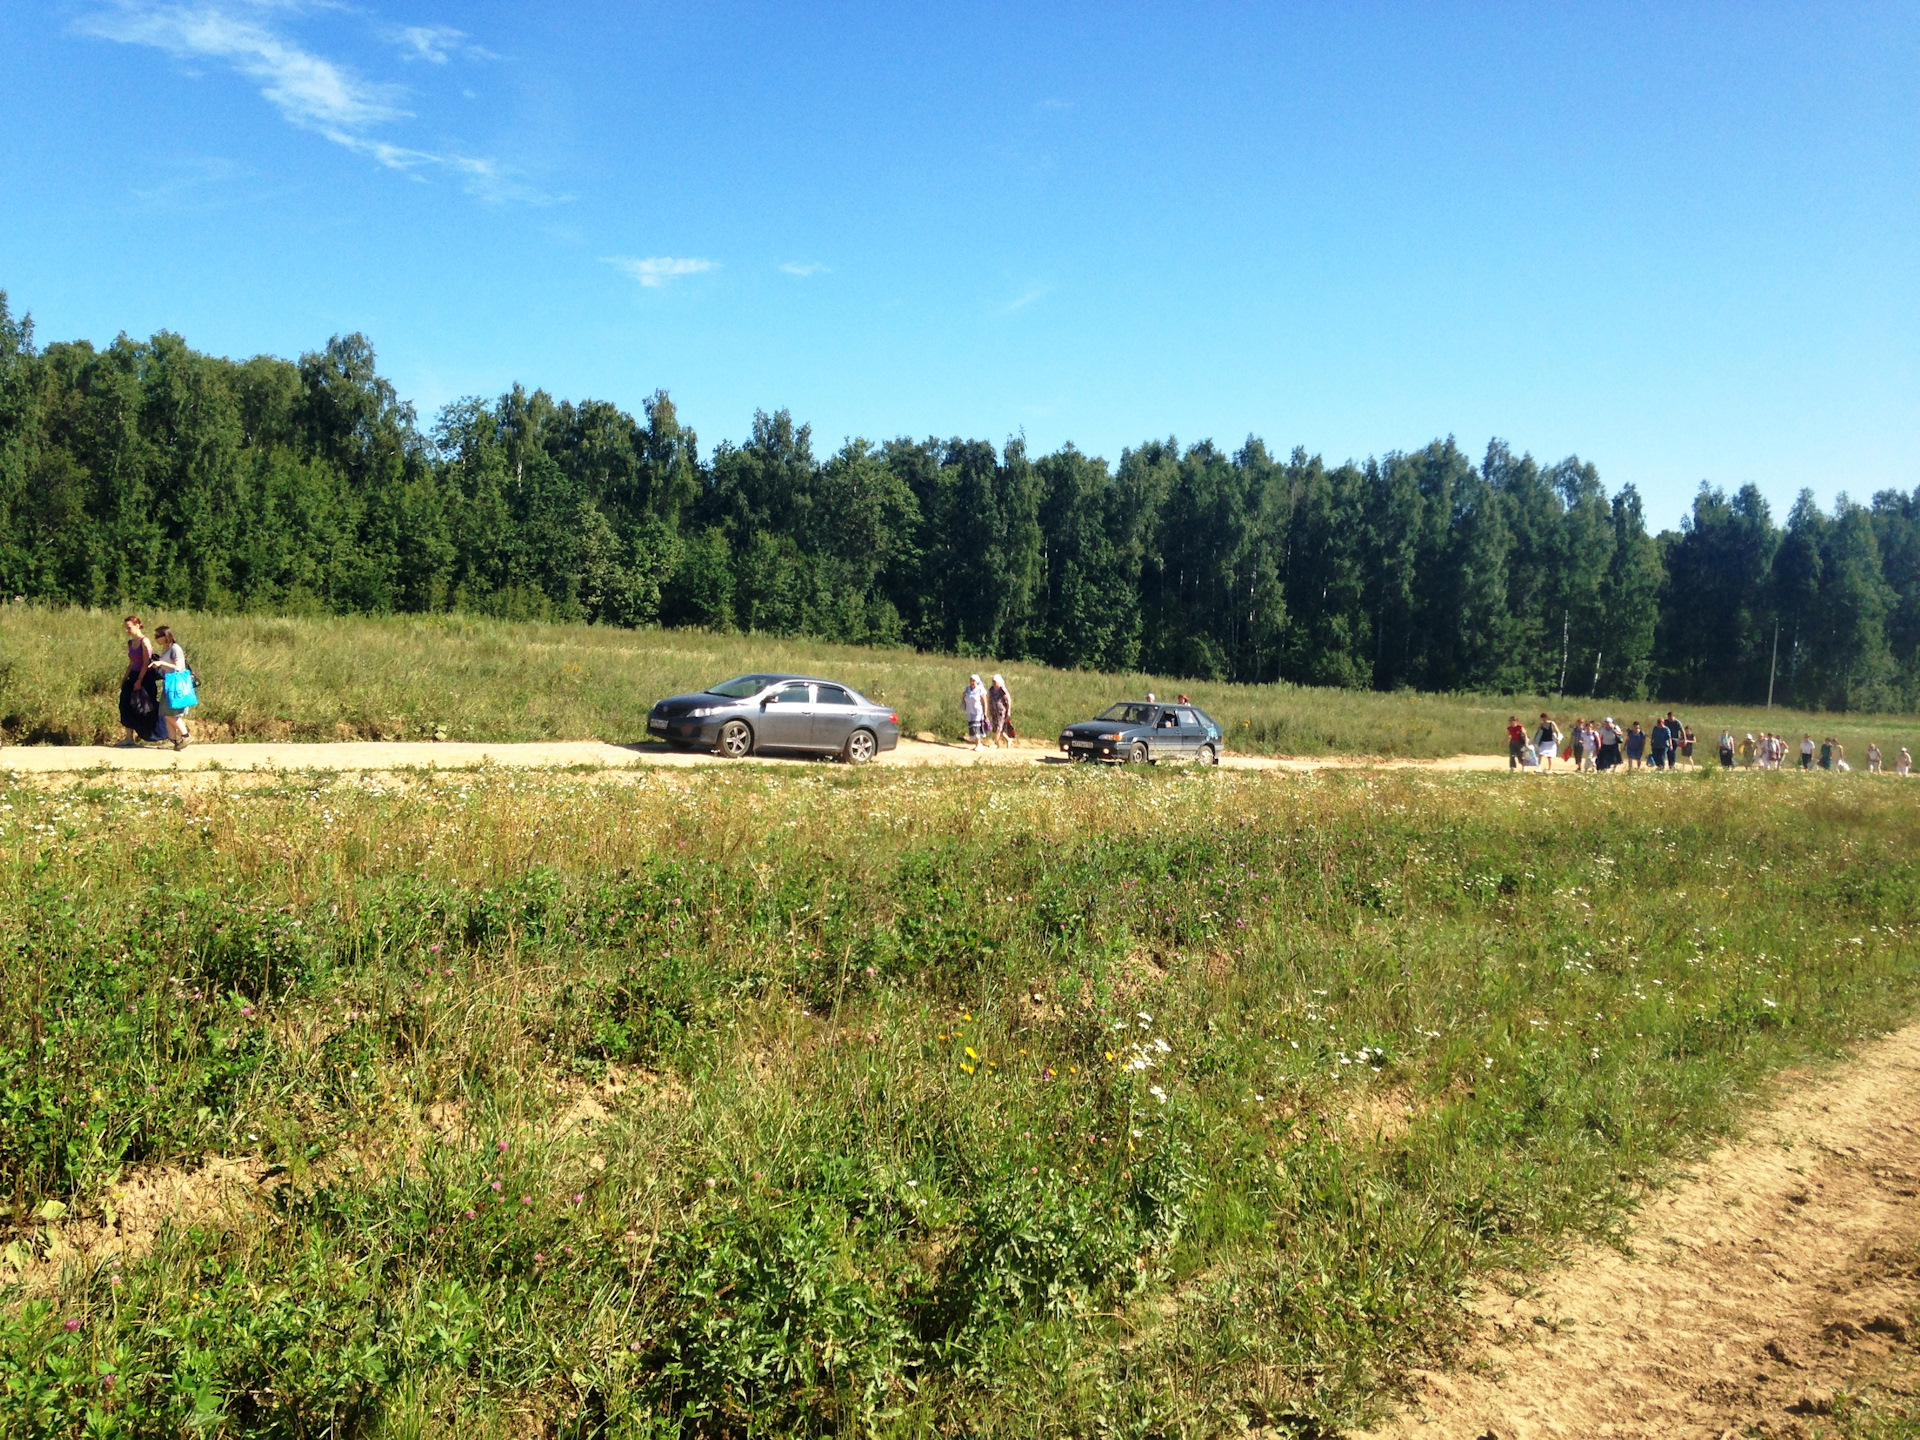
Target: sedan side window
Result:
[791, 695]
[831, 695]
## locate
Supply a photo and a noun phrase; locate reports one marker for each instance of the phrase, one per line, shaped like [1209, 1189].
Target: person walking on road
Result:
[1660, 746]
[1516, 741]
[1687, 741]
[139, 689]
[172, 660]
[1636, 747]
[1873, 757]
[1806, 752]
[1726, 749]
[1000, 711]
[973, 703]
[1546, 741]
[1903, 762]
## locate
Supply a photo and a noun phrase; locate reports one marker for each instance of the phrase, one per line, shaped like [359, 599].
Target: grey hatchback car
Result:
[777, 712]
[1145, 733]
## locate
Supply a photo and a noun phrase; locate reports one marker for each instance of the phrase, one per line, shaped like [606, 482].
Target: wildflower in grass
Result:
[1157, 1093]
[70, 1324]
[580, 1198]
[526, 1199]
[496, 1185]
[471, 1214]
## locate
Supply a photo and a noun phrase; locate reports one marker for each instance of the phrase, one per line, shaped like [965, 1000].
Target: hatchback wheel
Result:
[736, 740]
[1208, 755]
[860, 748]
[1139, 753]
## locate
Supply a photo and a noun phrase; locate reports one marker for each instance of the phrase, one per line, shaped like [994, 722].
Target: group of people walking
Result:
[1600, 745]
[157, 690]
[1607, 745]
[989, 712]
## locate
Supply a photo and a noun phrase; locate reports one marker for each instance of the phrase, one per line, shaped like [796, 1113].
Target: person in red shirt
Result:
[1516, 741]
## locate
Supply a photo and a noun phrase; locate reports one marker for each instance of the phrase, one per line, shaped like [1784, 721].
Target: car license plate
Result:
[656, 724]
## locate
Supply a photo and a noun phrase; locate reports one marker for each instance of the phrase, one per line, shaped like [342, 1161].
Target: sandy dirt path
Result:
[377, 755]
[1783, 1267]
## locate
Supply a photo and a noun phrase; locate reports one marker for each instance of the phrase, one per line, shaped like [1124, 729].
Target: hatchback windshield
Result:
[742, 686]
[1130, 714]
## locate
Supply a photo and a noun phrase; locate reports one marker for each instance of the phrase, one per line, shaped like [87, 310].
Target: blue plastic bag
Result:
[180, 692]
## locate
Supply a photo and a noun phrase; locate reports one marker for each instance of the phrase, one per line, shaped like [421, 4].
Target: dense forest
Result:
[150, 474]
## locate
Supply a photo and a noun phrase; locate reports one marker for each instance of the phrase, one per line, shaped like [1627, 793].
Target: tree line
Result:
[148, 473]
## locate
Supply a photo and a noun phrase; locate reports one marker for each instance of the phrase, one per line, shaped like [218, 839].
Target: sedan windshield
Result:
[741, 686]
[1129, 713]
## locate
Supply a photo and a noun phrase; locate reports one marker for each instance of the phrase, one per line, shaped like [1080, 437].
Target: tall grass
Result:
[892, 1102]
[422, 677]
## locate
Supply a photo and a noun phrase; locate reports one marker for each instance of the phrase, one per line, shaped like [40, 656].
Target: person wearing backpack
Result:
[177, 694]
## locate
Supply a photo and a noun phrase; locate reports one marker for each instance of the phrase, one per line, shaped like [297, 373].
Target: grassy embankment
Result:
[1005, 1103]
[463, 679]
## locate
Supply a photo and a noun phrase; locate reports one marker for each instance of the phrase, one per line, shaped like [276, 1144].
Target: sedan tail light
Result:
[894, 716]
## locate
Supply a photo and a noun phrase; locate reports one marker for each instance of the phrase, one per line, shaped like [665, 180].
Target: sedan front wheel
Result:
[736, 740]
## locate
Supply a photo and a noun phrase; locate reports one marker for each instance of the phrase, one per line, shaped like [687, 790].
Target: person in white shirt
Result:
[974, 703]
[168, 661]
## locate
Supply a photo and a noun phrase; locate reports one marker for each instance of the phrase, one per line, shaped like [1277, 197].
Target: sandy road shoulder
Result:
[1782, 1268]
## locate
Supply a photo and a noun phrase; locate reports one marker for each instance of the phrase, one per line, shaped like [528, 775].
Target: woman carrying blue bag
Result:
[177, 694]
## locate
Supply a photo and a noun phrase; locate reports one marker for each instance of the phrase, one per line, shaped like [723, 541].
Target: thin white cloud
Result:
[806, 268]
[437, 44]
[308, 90]
[1032, 293]
[656, 270]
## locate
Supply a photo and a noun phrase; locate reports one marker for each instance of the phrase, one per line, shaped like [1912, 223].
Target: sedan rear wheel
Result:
[860, 748]
[1139, 752]
[736, 740]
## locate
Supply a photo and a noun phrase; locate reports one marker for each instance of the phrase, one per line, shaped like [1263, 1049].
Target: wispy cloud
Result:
[1031, 294]
[437, 44]
[656, 270]
[806, 268]
[308, 90]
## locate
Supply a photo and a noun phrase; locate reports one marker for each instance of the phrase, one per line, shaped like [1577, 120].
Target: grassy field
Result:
[886, 1102]
[416, 678]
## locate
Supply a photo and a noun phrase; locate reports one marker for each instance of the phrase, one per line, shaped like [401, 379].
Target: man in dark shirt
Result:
[1658, 753]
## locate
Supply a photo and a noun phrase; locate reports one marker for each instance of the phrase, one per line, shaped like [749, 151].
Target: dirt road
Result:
[1788, 1265]
[375, 755]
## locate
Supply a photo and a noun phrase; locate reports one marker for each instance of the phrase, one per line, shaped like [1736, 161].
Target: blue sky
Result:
[1681, 241]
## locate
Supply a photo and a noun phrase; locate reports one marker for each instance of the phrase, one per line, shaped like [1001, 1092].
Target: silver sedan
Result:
[777, 712]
